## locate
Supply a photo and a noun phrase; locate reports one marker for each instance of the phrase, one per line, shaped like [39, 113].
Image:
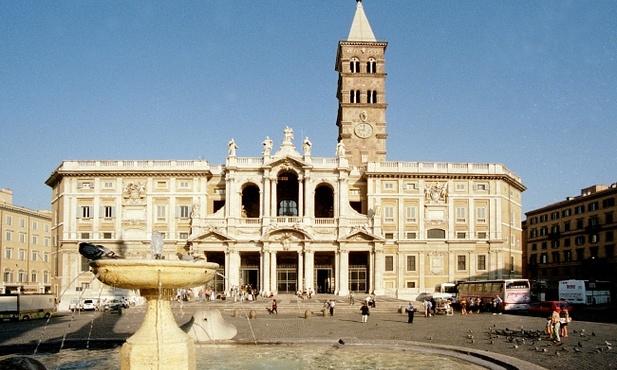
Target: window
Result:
[354, 65]
[34, 276]
[555, 229]
[534, 247]
[579, 223]
[461, 235]
[388, 214]
[371, 96]
[593, 221]
[411, 235]
[481, 235]
[533, 259]
[22, 276]
[108, 211]
[45, 277]
[8, 236]
[8, 253]
[389, 236]
[389, 263]
[184, 235]
[593, 206]
[107, 235]
[410, 186]
[85, 236]
[185, 211]
[481, 215]
[22, 222]
[388, 185]
[461, 214]
[46, 256]
[411, 263]
[594, 238]
[411, 284]
[108, 184]
[481, 262]
[554, 215]
[567, 256]
[184, 184]
[608, 218]
[555, 243]
[288, 208]
[9, 220]
[579, 209]
[461, 263]
[460, 186]
[22, 254]
[608, 202]
[566, 242]
[22, 237]
[555, 257]
[566, 212]
[544, 258]
[410, 214]
[161, 213]
[480, 187]
[543, 218]
[8, 276]
[35, 225]
[436, 234]
[533, 233]
[533, 220]
[354, 96]
[579, 240]
[34, 256]
[35, 239]
[566, 226]
[371, 66]
[544, 245]
[609, 237]
[86, 212]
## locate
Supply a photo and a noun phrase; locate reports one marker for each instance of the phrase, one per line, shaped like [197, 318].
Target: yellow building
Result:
[573, 239]
[287, 221]
[25, 247]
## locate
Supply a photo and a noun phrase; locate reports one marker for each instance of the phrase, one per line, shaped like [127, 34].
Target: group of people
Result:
[475, 304]
[557, 325]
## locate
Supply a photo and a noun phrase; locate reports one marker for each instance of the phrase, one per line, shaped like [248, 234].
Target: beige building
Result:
[25, 248]
[287, 221]
[573, 239]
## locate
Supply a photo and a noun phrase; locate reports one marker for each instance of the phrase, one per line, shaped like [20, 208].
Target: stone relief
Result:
[134, 191]
[436, 192]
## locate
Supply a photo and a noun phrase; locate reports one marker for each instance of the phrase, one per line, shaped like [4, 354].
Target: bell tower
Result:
[361, 120]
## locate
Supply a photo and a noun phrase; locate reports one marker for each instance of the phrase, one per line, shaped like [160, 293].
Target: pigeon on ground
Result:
[340, 341]
[95, 252]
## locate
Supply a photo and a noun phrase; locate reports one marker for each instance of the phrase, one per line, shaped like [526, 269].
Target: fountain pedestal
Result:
[159, 343]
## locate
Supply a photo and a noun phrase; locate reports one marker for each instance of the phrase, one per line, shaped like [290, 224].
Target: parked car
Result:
[546, 308]
[112, 304]
[74, 305]
[88, 305]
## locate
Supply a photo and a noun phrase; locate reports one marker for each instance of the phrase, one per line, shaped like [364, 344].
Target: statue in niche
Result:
[195, 211]
[267, 146]
[340, 150]
[134, 190]
[289, 135]
[231, 148]
[307, 146]
[436, 192]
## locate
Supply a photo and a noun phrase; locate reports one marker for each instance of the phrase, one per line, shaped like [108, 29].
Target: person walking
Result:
[332, 304]
[352, 300]
[410, 309]
[365, 312]
[274, 309]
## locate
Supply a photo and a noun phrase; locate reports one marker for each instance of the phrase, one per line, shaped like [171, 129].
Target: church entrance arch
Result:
[324, 272]
[287, 272]
[249, 269]
[250, 201]
[359, 272]
[324, 201]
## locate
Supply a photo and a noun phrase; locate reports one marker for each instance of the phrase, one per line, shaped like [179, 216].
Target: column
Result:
[301, 212]
[343, 267]
[266, 196]
[380, 265]
[273, 199]
[234, 268]
[309, 270]
[273, 283]
[265, 271]
[300, 271]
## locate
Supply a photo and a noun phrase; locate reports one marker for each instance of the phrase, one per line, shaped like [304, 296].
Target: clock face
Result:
[363, 130]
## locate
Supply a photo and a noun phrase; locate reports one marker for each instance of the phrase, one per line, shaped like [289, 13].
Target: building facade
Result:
[573, 239]
[286, 221]
[25, 248]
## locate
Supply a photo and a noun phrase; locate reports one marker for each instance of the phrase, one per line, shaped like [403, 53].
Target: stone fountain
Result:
[159, 343]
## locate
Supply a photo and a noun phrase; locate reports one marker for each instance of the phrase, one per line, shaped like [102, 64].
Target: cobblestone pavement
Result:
[589, 345]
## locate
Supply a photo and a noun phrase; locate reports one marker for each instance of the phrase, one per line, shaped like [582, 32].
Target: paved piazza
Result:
[587, 347]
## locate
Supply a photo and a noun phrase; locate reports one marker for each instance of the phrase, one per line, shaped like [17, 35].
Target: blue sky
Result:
[530, 84]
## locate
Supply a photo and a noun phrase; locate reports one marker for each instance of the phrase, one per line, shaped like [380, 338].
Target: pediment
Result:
[361, 234]
[286, 234]
[211, 235]
[288, 162]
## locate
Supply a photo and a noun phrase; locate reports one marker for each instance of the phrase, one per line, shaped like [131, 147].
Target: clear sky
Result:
[529, 84]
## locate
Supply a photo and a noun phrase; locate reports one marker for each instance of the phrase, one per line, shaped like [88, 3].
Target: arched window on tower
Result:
[371, 66]
[371, 96]
[354, 65]
[354, 96]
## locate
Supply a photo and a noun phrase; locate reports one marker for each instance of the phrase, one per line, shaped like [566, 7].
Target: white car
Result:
[88, 305]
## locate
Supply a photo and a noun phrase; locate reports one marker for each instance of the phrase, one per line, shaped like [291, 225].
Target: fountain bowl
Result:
[153, 274]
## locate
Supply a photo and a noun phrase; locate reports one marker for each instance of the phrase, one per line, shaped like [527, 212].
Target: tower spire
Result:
[360, 28]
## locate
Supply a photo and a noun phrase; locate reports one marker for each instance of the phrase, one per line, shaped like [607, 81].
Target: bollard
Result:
[236, 313]
[401, 309]
[308, 314]
[323, 312]
[252, 315]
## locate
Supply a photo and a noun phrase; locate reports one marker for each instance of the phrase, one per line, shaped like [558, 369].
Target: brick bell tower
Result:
[361, 121]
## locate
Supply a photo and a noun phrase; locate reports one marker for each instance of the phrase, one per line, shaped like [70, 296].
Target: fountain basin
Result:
[153, 274]
[159, 343]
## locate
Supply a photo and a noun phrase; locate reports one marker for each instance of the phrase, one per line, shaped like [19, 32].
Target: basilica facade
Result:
[287, 221]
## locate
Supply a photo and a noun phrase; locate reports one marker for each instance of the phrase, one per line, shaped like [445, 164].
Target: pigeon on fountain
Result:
[95, 252]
